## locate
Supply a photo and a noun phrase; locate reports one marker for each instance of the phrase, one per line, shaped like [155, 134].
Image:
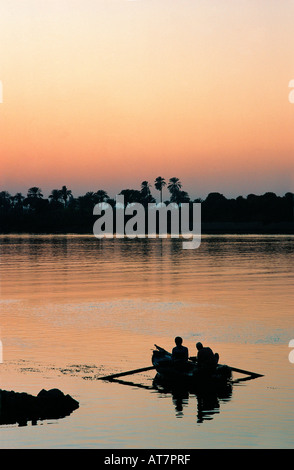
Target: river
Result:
[75, 308]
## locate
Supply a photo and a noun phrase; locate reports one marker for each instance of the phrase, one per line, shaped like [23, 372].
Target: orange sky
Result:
[103, 94]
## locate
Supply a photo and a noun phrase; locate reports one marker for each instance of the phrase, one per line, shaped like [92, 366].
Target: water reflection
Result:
[75, 299]
[208, 399]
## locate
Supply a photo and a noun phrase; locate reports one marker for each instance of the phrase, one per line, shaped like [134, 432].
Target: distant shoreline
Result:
[61, 213]
[208, 228]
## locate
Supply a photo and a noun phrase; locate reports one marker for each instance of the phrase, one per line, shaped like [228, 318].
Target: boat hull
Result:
[189, 373]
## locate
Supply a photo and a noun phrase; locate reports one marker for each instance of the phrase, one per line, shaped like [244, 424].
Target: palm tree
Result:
[145, 187]
[17, 200]
[131, 195]
[159, 184]
[87, 202]
[5, 199]
[65, 194]
[101, 196]
[35, 192]
[174, 187]
[34, 199]
[181, 197]
[90, 196]
[146, 193]
[55, 195]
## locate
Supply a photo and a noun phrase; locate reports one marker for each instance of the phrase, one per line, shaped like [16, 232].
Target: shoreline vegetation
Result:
[62, 213]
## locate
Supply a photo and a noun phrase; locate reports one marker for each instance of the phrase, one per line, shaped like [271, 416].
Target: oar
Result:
[133, 384]
[247, 372]
[128, 372]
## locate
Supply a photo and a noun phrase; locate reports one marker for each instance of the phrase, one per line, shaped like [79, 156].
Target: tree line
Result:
[61, 212]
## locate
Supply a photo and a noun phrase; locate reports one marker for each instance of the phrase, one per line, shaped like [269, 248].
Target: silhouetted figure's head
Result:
[178, 341]
[199, 346]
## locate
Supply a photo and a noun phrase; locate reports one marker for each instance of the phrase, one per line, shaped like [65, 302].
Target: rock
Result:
[20, 407]
[54, 403]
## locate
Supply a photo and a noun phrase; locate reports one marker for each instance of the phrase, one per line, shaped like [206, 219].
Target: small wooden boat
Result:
[190, 373]
[166, 369]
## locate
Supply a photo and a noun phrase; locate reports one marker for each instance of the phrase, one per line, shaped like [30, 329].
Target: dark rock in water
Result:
[20, 407]
[54, 403]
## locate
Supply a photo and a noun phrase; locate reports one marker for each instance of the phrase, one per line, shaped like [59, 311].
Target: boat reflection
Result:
[209, 399]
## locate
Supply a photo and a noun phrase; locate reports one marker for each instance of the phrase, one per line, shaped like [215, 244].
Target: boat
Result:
[190, 373]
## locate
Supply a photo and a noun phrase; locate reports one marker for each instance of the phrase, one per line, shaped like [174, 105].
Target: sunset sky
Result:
[103, 94]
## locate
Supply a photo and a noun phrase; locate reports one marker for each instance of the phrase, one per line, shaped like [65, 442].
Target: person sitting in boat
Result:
[206, 359]
[180, 353]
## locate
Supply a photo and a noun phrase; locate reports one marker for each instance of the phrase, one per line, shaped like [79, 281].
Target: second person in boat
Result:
[206, 359]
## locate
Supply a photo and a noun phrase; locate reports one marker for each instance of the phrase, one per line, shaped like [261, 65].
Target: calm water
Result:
[74, 308]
